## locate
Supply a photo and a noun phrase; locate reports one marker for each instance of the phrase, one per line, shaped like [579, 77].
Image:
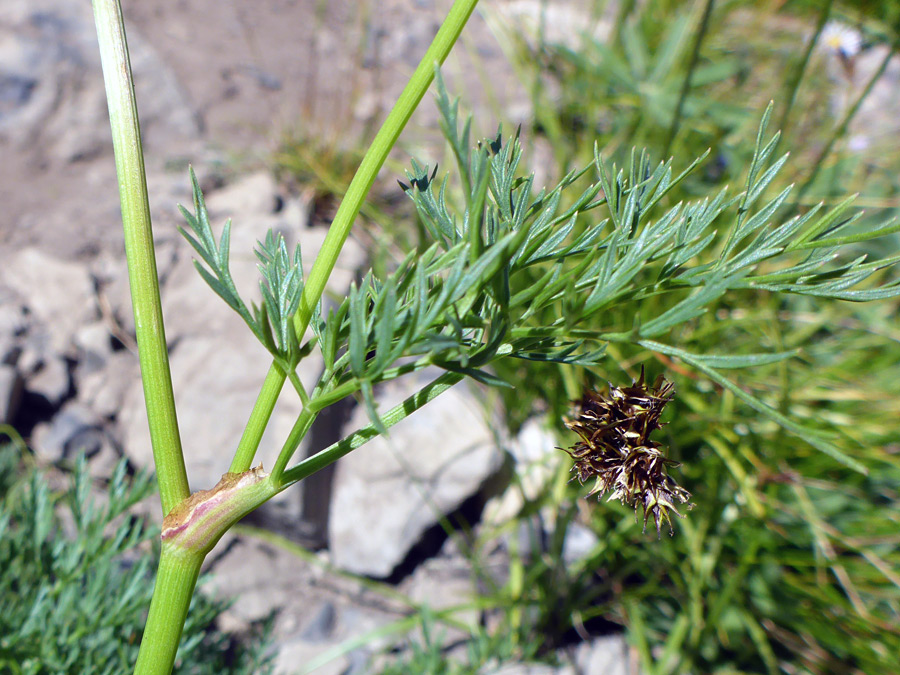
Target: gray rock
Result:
[250, 203]
[31, 358]
[13, 324]
[608, 655]
[110, 273]
[538, 23]
[58, 294]
[445, 583]
[57, 180]
[216, 381]
[257, 573]
[104, 390]
[75, 428]
[294, 654]
[255, 195]
[9, 349]
[579, 542]
[10, 393]
[50, 379]
[321, 626]
[52, 90]
[93, 346]
[310, 606]
[191, 308]
[390, 491]
[535, 461]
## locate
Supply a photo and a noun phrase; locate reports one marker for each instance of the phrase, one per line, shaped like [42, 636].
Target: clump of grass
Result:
[317, 164]
[76, 578]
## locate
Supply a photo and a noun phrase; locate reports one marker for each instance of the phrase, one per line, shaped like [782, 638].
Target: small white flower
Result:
[858, 143]
[842, 39]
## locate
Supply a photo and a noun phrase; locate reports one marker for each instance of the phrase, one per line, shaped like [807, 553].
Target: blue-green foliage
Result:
[76, 577]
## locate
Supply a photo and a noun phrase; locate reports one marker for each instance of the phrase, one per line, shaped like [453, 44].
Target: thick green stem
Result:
[189, 532]
[195, 522]
[148, 319]
[175, 581]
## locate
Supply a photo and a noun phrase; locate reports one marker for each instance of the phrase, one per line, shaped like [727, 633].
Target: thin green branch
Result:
[301, 427]
[800, 71]
[841, 128]
[139, 251]
[298, 386]
[259, 419]
[374, 158]
[399, 412]
[686, 85]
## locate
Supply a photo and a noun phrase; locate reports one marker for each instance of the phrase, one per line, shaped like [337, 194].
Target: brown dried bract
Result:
[615, 448]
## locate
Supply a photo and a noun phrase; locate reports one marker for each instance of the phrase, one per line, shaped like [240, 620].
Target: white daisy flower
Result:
[840, 38]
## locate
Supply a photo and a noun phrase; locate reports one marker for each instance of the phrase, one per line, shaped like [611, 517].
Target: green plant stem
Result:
[686, 85]
[841, 128]
[399, 412]
[626, 8]
[179, 568]
[298, 432]
[259, 419]
[799, 72]
[175, 581]
[142, 275]
[374, 158]
[349, 208]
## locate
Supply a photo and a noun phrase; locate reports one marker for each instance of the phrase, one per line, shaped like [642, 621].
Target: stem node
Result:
[199, 521]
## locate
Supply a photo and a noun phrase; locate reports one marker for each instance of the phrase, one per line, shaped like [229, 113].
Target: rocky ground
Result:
[219, 85]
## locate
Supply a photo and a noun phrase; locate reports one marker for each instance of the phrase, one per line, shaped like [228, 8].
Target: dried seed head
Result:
[616, 451]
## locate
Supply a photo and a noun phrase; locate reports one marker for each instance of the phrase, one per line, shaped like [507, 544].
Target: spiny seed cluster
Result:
[615, 448]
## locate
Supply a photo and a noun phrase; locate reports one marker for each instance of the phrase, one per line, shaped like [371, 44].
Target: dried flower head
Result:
[615, 448]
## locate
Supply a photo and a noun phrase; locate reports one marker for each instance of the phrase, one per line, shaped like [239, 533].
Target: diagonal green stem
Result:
[396, 414]
[841, 128]
[142, 275]
[686, 85]
[374, 158]
[298, 432]
[259, 419]
[349, 208]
